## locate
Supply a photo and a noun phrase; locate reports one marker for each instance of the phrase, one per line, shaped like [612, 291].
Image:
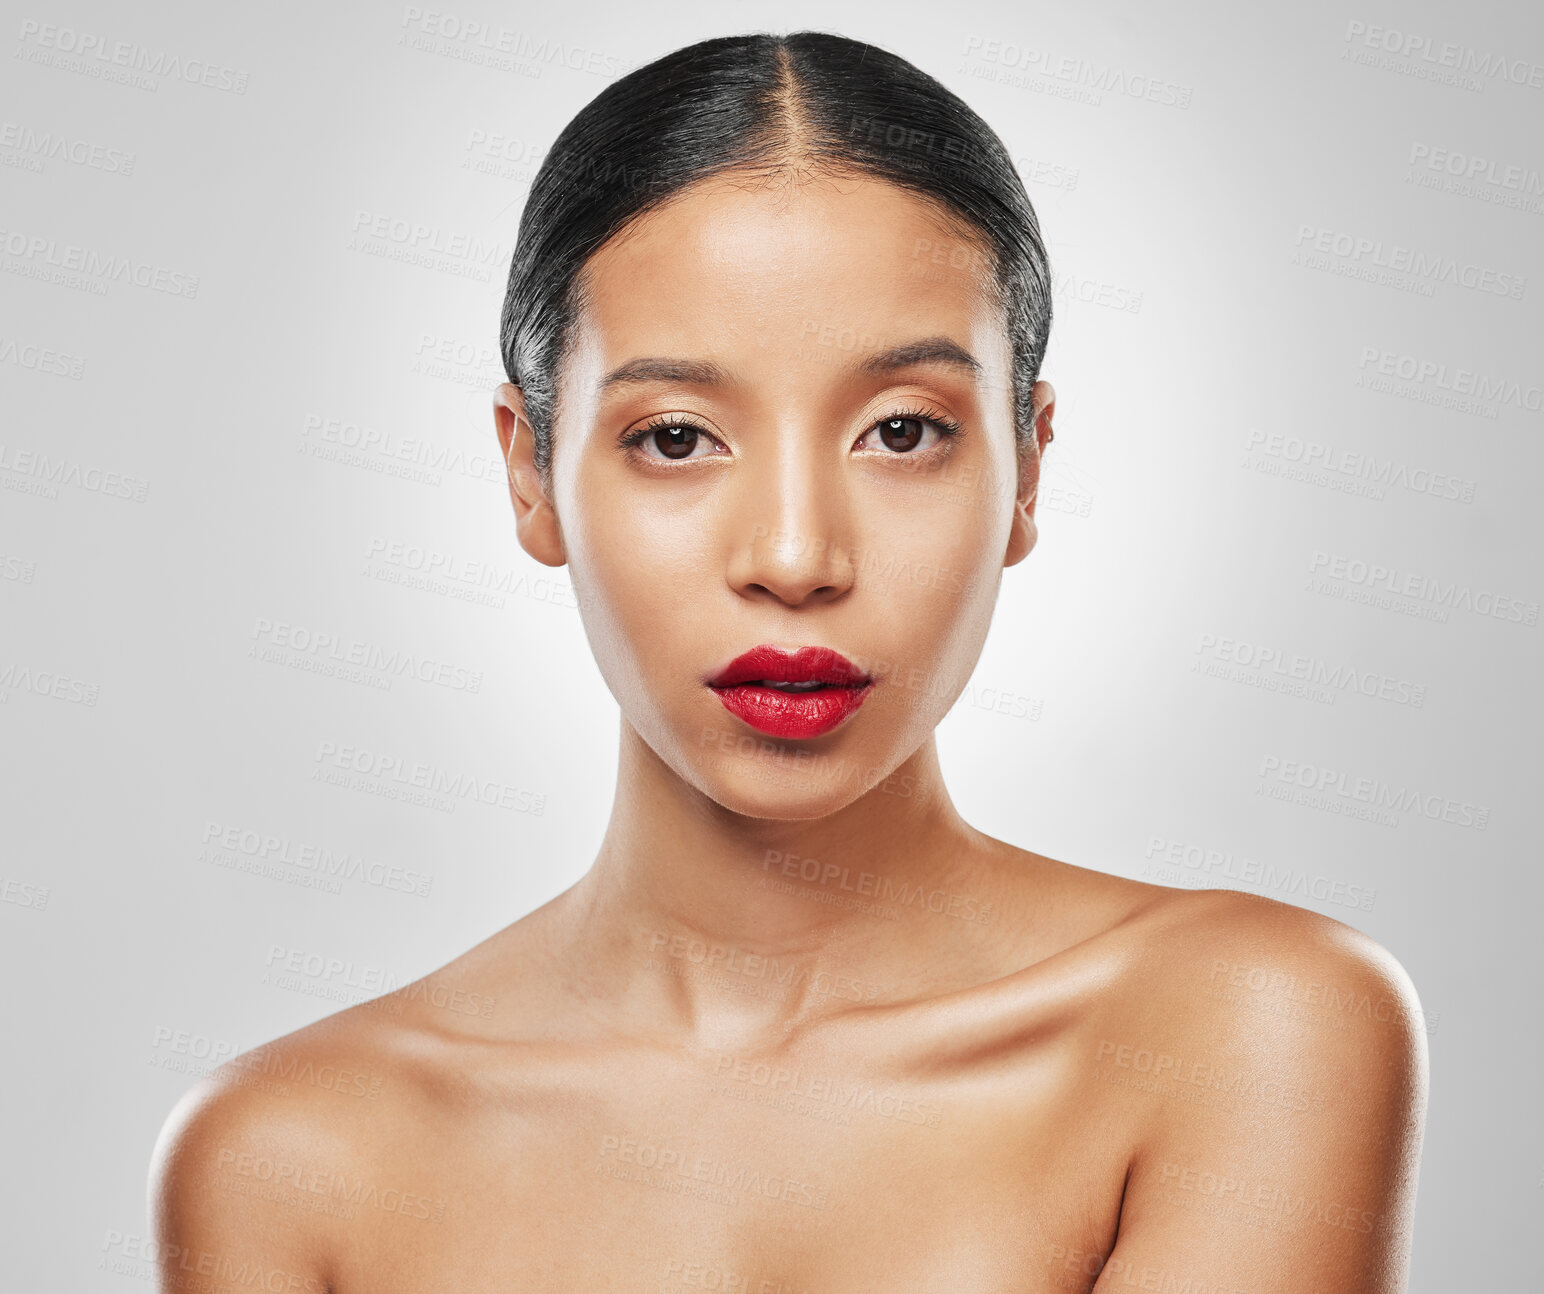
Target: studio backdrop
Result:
[288, 719]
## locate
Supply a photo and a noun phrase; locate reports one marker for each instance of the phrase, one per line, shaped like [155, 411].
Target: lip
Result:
[741, 687]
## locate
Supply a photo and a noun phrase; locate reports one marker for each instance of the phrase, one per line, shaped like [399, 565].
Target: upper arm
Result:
[218, 1227]
[1289, 1159]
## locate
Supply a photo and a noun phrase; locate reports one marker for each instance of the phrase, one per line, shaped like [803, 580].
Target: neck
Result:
[732, 930]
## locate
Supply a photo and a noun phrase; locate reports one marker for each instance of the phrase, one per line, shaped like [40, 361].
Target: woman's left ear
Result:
[1023, 534]
[1045, 407]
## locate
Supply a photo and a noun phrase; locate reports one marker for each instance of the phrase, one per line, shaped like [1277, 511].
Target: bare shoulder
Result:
[1219, 955]
[1212, 955]
[225, 1159]
[333, 1085]
[272, 1162]
[1279, 1060]
[1287, 991]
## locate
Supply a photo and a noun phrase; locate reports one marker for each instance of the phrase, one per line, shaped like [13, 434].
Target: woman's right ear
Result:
[536, 521]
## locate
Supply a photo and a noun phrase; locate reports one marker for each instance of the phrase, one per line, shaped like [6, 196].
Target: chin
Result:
[767, 791]
[793, 787]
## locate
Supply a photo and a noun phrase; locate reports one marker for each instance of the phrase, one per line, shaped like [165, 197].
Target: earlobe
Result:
[1024, 532]
[536, 522]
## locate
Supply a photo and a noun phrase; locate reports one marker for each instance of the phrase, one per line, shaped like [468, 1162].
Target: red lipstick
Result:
[818, 689]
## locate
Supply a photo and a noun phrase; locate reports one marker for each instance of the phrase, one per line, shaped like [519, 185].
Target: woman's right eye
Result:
[669, 441]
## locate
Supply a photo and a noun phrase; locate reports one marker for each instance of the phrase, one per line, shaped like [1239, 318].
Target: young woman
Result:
[773, 332]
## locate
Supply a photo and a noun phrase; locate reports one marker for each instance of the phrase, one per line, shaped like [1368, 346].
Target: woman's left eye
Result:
[904, 432]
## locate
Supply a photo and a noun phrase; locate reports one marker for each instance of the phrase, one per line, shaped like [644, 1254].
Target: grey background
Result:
[1224, 294]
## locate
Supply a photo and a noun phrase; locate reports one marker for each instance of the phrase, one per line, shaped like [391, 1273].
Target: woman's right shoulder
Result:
[278, 1081]
[247, 1160]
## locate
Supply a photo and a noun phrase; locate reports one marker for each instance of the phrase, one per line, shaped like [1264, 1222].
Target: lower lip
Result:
[792, 714]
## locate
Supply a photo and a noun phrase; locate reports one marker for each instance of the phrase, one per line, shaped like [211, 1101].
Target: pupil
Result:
[891, 430]
[676, 442]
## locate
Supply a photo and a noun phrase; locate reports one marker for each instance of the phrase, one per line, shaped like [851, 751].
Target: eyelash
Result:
[946, 427]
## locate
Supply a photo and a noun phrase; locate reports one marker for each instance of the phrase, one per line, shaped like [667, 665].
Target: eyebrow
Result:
[694, 372]
[930, 350]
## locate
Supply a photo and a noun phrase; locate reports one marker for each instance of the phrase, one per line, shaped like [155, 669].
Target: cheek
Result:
[928, 580]
[940, 537]
[633, 565]
[637, 549]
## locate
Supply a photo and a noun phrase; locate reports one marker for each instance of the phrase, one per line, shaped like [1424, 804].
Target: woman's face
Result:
[791, 480]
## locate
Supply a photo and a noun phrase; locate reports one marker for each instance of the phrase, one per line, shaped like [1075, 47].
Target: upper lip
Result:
[768, 664]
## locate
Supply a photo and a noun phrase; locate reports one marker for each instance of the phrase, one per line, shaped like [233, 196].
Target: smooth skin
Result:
[801, 1028]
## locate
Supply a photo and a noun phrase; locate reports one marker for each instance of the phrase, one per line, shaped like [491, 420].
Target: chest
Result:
[745, 1177]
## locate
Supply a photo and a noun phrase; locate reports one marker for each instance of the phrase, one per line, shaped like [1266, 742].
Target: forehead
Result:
[849, 262]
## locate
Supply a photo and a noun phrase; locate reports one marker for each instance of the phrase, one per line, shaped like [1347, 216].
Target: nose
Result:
[795, 523]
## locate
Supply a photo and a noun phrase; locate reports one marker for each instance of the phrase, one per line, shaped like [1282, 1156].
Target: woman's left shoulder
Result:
[1272, 1068]
[1228, 963]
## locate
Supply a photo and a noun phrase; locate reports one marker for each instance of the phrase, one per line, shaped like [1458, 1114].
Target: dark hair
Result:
[765, 103]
